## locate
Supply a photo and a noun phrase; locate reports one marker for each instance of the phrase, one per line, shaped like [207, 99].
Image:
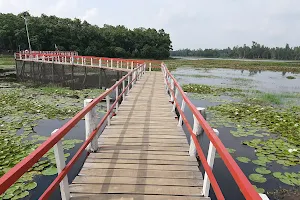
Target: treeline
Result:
[256, 51]
[75, 35]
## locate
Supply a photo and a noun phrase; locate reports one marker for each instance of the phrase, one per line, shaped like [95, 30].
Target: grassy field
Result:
[6, 61]
[235, 64]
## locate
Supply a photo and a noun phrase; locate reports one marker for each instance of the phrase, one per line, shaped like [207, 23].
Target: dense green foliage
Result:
[256, 51]
[75, 35]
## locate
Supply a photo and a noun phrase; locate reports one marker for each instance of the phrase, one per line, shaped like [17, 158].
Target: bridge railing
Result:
[89, 61]
[248, 191]
[66, 53]
[91, 143]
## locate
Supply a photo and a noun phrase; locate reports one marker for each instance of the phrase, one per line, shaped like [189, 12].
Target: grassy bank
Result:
[235, 64]
[6, 61]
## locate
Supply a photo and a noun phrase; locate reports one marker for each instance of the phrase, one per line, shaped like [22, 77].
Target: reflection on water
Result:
[266, 81]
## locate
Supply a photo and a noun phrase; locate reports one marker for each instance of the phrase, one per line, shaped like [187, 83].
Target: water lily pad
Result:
[30, 186]
[243, 159]
[259, 190]
[262, 170]
[257, 178]
[50, 171]
[21, 195]
[259, 162]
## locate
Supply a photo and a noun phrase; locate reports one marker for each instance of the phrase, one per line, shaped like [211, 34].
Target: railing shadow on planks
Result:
[173, 87]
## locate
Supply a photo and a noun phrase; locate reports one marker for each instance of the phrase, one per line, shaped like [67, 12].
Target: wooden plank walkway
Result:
[143, 154]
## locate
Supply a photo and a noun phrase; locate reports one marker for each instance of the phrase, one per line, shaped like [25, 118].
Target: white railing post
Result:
[82, 62]
[91, 61]
[182, 108]
[210, 160]
[123, 89]
[117, 94]
[128, 85]
[131, 65]
[60, 165]
[150, 67]
[196, 130]
[121, 64]
[117, 64]
[100, 62]
[111, 63]
[176, 95]
[127, 65]
[107, 65]
[90, 125]
[108, 107]
[172, 88]
[77, 61]
[65, 59]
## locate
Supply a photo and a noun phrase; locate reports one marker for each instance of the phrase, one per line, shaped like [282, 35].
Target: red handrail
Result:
[18, 170]
[242, 181]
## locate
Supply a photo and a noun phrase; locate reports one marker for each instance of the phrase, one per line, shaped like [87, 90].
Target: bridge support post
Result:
[182, 108]
[90, 125]
[197, 131]
[210, 160]
[60, 165]
[127, 92]
[123, 90]
[117, 94]
[176, 95]
[108, 107]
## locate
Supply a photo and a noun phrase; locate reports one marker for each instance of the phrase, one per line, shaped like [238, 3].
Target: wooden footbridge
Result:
[143, 152]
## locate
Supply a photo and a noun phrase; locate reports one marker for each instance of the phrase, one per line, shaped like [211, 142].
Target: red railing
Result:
[89, 61]
[22, 167]
[242, 181]
[67, 53]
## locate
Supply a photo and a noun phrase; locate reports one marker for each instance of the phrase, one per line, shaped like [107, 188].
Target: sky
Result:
[191, 23]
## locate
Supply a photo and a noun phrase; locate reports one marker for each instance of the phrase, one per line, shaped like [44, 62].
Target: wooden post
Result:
[117, 64]
[182, 108]
[91, 61]
[123, 90]
[127, 65]
[82, 62]
[150, 67]
[176, 95]
[60, 165]
[100, 62]
[107, 65]
[203, 113]
[108, 107]
[196, 130]
[121, 64]
[117, 94]
[90, 126]
[210, 160]
[131, 65]
[111, 63]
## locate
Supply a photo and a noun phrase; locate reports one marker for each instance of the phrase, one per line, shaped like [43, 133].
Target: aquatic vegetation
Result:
[257, 178]
[288, 178]
[243, 159]
[291, 77]
[206, 89]
[21, 107]
[262, 170]
[259, 190]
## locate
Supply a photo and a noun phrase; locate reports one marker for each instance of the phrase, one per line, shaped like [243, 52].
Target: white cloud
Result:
[191, 23]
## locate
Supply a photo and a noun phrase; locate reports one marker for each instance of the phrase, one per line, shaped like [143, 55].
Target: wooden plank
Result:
[131, 161]
[100, 142]
[141, 135]
[134, 189]
[182, 153]
[141, 147]
[138, 140]
[83, 196]
[140, 166]
[134, 180]
[141, 156]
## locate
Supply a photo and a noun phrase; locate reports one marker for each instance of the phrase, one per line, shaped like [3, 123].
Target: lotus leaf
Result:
[243, 159]
[50, 171]
[262, 170]
[257, 178]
